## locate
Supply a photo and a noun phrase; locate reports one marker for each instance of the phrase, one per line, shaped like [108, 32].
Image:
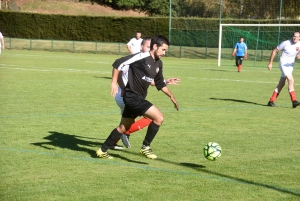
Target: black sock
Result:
[112, 138]
[151, 132]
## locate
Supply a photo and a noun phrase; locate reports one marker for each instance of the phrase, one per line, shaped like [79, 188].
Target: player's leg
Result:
[240, 62]
[237, 61]
[292, 92]
[136, 126]
[114, 135]
[121, 104]
[157, 120]
[276, 91]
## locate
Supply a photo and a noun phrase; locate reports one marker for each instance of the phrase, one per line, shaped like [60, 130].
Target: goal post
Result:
[254, 37]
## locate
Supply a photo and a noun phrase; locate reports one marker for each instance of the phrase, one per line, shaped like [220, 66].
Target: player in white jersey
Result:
[122, 81]
[2, 42]
[134, 45]
[290, 50]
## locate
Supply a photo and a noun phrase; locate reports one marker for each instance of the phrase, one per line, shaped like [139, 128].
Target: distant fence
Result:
[9, 5]
[102, 47]
[66, 46]
[205, 51]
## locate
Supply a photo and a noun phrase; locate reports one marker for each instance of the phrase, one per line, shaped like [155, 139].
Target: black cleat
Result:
[271, 104]
[295, 104]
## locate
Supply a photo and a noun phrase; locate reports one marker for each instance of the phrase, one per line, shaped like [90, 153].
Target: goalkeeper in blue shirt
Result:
[240, 52]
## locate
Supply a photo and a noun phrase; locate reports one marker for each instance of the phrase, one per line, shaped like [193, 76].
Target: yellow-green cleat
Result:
[102, 154]
[147, 151]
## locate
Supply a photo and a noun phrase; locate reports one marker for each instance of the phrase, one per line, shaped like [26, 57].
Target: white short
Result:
[286, 69]
[119, 100]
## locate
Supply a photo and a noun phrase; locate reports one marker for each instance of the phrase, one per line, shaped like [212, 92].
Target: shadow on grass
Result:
[68, 141]
[202, 168]
[218, 70]
[104, 77]
[237, 100]
[75, 143]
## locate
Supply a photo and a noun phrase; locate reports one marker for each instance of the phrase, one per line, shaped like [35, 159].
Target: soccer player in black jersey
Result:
[142, 68]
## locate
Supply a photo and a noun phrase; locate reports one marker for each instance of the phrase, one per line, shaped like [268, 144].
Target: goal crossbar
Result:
[246, 25]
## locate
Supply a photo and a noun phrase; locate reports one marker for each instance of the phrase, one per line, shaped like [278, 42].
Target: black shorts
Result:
[239, 59]
[135, 105]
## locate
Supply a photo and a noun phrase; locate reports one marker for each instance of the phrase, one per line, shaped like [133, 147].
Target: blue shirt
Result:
[240, 49]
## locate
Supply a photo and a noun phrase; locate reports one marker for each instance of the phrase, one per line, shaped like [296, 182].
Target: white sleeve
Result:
[281, 46]
[125, 65]
[125, 68]
[129, 43]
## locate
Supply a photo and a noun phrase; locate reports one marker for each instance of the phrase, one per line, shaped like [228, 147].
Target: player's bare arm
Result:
[169, 93]
[270, 65]
[298, 56]
[114, 82]
[129, 49]
[170, 81]
[233, 52]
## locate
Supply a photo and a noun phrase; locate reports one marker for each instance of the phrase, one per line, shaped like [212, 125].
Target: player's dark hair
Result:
[159, 40]
[145, 39]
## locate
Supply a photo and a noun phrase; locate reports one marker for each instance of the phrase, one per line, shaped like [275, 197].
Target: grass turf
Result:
[56, 111]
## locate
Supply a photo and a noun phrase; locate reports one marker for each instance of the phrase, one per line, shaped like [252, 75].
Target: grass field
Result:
[56, 111]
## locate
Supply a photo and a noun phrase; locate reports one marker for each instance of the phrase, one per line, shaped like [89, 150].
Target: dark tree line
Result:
[241, 9]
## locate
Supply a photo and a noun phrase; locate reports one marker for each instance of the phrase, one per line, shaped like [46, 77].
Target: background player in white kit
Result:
[134, 45]
[122, 81]
[1, 43]
[290, 50]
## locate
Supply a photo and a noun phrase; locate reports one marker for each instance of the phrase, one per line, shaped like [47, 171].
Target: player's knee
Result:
[159, 119]
[123, 128]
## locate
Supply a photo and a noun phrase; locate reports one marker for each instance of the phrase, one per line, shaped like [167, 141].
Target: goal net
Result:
[261, 39]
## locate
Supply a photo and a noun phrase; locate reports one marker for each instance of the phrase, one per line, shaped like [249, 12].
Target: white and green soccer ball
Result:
[212, 151]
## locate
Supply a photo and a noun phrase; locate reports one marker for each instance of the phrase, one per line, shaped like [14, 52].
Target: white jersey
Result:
[289, 52]
[135, 45]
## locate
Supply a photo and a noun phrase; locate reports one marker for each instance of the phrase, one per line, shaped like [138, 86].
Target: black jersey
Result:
[142, 69]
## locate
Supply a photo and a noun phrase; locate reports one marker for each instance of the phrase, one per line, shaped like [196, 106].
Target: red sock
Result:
[138, 125]
[239, 67]
[274, 96]
[293, 95]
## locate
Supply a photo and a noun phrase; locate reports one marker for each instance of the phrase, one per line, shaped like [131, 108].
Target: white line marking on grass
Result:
[229, 80]
[39, 69]
[55, 56]
[96, 62]
[217, 177]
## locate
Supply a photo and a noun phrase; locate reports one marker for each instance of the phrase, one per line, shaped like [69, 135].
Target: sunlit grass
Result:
[56, 111]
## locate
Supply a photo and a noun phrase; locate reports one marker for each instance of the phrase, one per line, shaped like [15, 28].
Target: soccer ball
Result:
[212, 151]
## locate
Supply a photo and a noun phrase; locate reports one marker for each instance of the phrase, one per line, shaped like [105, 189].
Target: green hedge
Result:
[104, 29]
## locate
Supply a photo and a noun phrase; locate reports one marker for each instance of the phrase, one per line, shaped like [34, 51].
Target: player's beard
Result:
[156, 57]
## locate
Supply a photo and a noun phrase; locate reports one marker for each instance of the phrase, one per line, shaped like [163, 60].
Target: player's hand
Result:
[173, 81]
[246, 56]
[175, 102]
[270, 66]
[232, 54]
[114, 89]
[298, 56]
